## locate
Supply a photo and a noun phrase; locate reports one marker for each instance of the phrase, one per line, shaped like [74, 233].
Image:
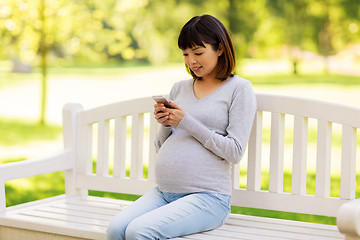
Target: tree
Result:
[291, 16]
[332, 21]
[318, 26]
[32, 29]
[245, 18]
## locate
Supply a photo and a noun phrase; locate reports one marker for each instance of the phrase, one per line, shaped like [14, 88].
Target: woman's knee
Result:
[138, 230]
[115, 231]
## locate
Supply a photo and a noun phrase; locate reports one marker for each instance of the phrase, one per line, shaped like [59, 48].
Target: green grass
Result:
[90, 72]
[15, 132]
[289, 80]
[34, 188]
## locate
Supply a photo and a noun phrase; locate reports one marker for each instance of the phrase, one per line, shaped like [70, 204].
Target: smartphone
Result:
[163, 100]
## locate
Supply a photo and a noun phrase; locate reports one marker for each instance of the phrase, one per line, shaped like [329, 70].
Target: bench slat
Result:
[287, 202]
[98, 205]
[348, 163]
[56, 227]
[84, 154]
[76, 213]
[203, 236]
[102, 162]
[323, 159]
[66, 218]
[276, 172]
[109, 184]
[152, 151]
[298, 183]
[114, 110]
[137, 145]
[268, 233]
[311, 229]
[254, 157]
[119, 170]
[85, 208]
[310, 108]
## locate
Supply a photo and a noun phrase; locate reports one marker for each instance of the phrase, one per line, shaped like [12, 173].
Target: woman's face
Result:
[202, 60]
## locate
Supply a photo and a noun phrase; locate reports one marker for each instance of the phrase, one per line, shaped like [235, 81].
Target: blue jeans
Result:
[161, 215]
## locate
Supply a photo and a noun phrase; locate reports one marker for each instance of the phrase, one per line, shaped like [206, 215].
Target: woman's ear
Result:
[220, 50]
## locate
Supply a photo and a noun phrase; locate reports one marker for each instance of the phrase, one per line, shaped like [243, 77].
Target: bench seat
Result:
[76, 218]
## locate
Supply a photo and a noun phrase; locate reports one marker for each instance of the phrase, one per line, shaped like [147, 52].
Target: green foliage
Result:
[96, 31]
[45, 32]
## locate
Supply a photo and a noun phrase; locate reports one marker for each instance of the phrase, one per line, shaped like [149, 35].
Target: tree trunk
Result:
[43, 53]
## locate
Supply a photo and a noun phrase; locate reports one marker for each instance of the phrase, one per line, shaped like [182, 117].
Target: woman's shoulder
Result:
[240, 81]
[181, 86]
[239, 84]
[181, 83]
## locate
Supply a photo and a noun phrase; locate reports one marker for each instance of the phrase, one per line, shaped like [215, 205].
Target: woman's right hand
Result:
[161, 114]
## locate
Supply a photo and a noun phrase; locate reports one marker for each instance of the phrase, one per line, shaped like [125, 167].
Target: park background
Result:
[96, 52]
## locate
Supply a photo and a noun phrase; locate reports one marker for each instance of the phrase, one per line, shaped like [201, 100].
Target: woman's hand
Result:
[161, 115]
[176, 114]
[169, 116]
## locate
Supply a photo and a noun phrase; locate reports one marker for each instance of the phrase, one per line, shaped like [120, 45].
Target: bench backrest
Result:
[115, 152]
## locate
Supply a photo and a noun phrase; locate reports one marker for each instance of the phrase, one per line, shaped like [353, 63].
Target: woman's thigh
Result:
[190, 214]
[146, 203]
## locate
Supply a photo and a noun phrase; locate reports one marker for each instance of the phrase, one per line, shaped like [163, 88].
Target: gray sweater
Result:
[197, 155]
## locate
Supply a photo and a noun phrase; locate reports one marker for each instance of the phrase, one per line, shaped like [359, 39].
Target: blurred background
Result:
[95, 52]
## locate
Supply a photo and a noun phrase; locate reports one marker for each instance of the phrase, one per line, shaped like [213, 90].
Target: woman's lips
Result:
[196, 69]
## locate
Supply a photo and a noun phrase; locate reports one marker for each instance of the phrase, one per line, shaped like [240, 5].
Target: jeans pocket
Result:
[225, 200]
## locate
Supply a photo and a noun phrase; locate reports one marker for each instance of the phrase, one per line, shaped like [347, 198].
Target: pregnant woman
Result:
[201, 136]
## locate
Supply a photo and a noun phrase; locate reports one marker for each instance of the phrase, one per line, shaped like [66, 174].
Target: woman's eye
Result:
[198, 54]
[185, 54]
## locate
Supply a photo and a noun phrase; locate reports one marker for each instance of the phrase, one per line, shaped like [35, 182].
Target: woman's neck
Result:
[205, 87]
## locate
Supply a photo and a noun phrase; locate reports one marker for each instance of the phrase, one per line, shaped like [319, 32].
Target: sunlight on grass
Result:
[285, 80]
[22, 132]
[34, 188]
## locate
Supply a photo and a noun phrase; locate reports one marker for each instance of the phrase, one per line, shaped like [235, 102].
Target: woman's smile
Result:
[196, 69]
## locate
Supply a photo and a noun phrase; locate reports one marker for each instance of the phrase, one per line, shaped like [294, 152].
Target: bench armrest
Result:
[348, 219]
[61, 161]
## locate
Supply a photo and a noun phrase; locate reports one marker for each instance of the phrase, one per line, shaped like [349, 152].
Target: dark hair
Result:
[208, 29]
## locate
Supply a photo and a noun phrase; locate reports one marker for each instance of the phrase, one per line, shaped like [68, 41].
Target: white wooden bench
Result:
[116, 132]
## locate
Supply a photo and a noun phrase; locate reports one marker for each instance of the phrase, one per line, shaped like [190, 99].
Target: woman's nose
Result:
[192, 60]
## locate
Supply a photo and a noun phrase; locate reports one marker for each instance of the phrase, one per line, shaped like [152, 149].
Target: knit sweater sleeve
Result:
[164, 131]
[232, 145]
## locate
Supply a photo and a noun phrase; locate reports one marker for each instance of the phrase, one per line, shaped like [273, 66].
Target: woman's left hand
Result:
[176, 114]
